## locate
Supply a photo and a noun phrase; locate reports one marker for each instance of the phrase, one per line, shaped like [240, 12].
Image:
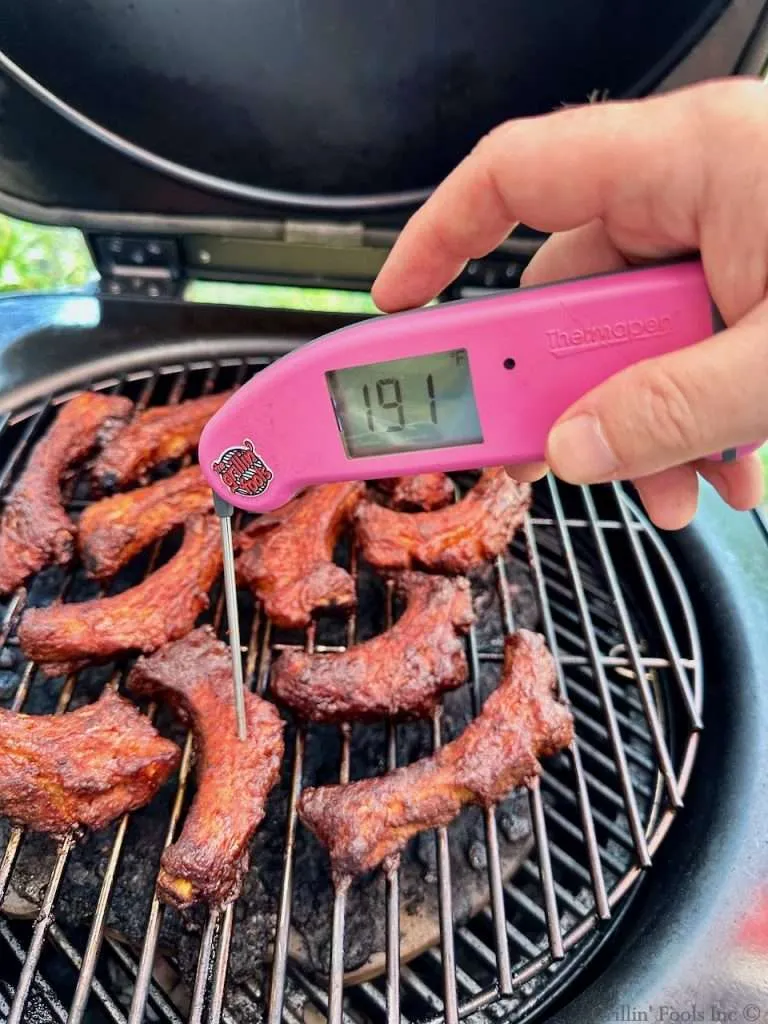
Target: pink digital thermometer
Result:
[467, 384]
[457, 386]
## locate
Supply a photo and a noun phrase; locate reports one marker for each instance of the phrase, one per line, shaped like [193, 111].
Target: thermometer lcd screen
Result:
[406, 405]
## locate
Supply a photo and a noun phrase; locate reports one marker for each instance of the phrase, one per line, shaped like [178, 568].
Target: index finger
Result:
[638, 166]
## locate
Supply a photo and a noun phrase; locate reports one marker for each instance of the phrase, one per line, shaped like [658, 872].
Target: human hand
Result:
[619, 184]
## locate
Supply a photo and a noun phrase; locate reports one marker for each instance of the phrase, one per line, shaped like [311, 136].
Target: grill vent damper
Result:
[495, 914]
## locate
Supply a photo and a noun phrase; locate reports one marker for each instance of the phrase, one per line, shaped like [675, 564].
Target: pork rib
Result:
[113, 530]
[234, 778]
[162, 607]
[454, 539]
[287, 557]
[399, 674]
[35, 531]
[154, 436]
[82, 769]
[364, 822]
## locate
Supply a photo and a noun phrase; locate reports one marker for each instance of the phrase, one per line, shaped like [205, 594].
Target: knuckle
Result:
[496, 136]
[732, 111]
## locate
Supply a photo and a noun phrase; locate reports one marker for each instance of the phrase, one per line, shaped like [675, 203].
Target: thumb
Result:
[668, 411]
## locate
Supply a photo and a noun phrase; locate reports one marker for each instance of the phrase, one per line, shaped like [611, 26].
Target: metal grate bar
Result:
[605, 524]
[547, 878]
[693, 706]
[524, 901]
[633, 812]
[416, 985]
[44, 919]
[203, 965]
[567, 861]
[513, 934]
[585, 806]
[478, 1002]
[60, 940]
[561, 597]
[9, 860]
[21, 446]
[503, 966]
[223, 947]
[52, 1002]
[156, 912]
[379, 1001]
[561, 601]
[603, 733]
[610, 661]
[618, 833]
[535, 802]
[280, 958]
[156, 996]
[336, 989]
[392, 877]
[574, 832]
[336, 983]
[450, 997]
[5, 419]
[649, 705]
[476, 945]
[11, 616]
[587, 696]
[463, 980]
[317, 994]
[524, 943]
[222, 962]
[93, 947]
[563, 894]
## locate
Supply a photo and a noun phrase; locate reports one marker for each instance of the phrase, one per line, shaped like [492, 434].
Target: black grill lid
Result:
[323, 105]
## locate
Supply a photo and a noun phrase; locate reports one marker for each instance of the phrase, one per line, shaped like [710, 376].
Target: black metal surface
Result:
[307, 103]
[45, 339]
[540, 926]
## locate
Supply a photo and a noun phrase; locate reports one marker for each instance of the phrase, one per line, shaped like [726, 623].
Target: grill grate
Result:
[614, 610]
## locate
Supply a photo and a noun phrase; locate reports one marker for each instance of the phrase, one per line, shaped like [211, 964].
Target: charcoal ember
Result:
[80, 887]
[9, 682]
[426, 851]
[256, 910]
[46, 586]
[478, 855]
[513, 818]
[489, 614]
[31, 872]
[522, 595]
[246, 1004]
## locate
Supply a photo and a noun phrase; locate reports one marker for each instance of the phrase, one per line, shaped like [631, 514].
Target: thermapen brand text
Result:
[615, 332]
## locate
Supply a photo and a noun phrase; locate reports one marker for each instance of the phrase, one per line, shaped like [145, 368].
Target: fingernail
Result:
[579, 452]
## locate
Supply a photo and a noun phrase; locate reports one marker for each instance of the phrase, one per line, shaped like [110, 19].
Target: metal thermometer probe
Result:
[224, 511]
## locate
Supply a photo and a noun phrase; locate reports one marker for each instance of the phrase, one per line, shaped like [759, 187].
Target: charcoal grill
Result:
[628, 661]
[620, 882]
